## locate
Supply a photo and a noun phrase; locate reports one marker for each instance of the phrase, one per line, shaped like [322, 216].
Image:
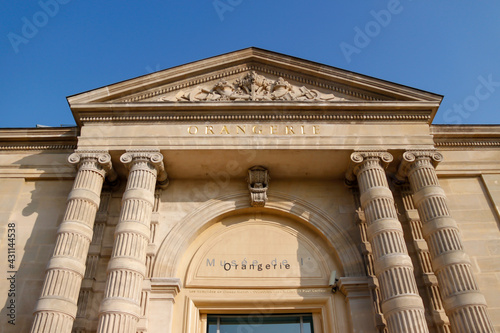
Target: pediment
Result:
[249, 77]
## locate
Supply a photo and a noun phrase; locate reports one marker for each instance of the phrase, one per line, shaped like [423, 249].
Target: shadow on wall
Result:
[37, 214]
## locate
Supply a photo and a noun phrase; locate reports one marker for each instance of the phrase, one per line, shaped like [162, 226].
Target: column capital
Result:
[101, 157]
[152, 156]
[412, 156]
[358, 157]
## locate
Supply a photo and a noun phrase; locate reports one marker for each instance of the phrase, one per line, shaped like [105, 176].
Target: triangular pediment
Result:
[249, 76]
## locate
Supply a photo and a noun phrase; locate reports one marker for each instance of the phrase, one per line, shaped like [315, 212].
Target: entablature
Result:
[44, 138]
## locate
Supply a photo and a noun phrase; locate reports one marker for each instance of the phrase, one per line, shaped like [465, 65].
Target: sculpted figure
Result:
[253, 87]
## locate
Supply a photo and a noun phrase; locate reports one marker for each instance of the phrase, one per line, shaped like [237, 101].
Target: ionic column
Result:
[57, 306]
[463, 303]
[120, 308]
[401, 304]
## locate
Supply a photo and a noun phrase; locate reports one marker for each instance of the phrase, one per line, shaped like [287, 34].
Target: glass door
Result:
[286, 323]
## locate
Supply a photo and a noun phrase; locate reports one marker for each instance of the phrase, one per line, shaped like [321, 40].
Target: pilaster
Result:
[57, 306]
[366, 250]
[463, 302]
[121, 307]
[401, 304]
[163, 293]
[357, 294]
[88, 290]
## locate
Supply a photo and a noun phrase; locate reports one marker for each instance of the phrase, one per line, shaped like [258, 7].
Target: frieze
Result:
[254, 129]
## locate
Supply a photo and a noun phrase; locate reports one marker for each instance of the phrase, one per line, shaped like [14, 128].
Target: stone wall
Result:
[36, 208]
[479, 223]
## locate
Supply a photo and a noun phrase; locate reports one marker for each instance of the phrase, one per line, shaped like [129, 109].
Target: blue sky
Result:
[56, 48]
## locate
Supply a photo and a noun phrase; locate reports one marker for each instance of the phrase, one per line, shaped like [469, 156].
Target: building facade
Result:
[251, 192]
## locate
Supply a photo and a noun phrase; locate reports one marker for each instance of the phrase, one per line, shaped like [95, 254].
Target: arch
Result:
[183, 233]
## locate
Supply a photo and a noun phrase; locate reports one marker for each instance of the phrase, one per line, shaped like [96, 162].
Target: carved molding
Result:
[258, 184]
[236, 117]
[41, 147]
[467, 144]
[466, 136]
[251, 87]
[165, 287]
[354, 287]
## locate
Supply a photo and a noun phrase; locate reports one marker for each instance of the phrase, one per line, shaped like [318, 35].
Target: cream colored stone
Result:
[462, 300]
[57, 306]
[304, 138]
[393, 266]
[121, 306]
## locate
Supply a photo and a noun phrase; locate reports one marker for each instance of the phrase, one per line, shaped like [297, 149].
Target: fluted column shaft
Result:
[401, 304]
[120, 308]
[57, 306]
[463, 302]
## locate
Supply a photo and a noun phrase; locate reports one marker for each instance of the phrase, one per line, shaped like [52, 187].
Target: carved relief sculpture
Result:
[258, 183]
[251, 87]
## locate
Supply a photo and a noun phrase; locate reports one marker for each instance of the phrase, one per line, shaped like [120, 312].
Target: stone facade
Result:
[292, 187]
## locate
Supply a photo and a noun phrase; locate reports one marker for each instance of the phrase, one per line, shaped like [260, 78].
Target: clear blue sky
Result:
[56, 48]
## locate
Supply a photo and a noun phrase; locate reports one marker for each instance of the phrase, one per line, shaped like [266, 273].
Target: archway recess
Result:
[186, 231]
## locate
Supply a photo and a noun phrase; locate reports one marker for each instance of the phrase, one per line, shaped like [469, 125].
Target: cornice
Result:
[255, 111]
[37, 147]
[39, 139]
[183, 118]
[476, 143]
[466, 136]
[38, 132]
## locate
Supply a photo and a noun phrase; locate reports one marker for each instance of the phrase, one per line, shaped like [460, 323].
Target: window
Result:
[260, 323]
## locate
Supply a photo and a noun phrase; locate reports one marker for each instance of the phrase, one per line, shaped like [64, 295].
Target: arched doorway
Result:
[258, 263]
